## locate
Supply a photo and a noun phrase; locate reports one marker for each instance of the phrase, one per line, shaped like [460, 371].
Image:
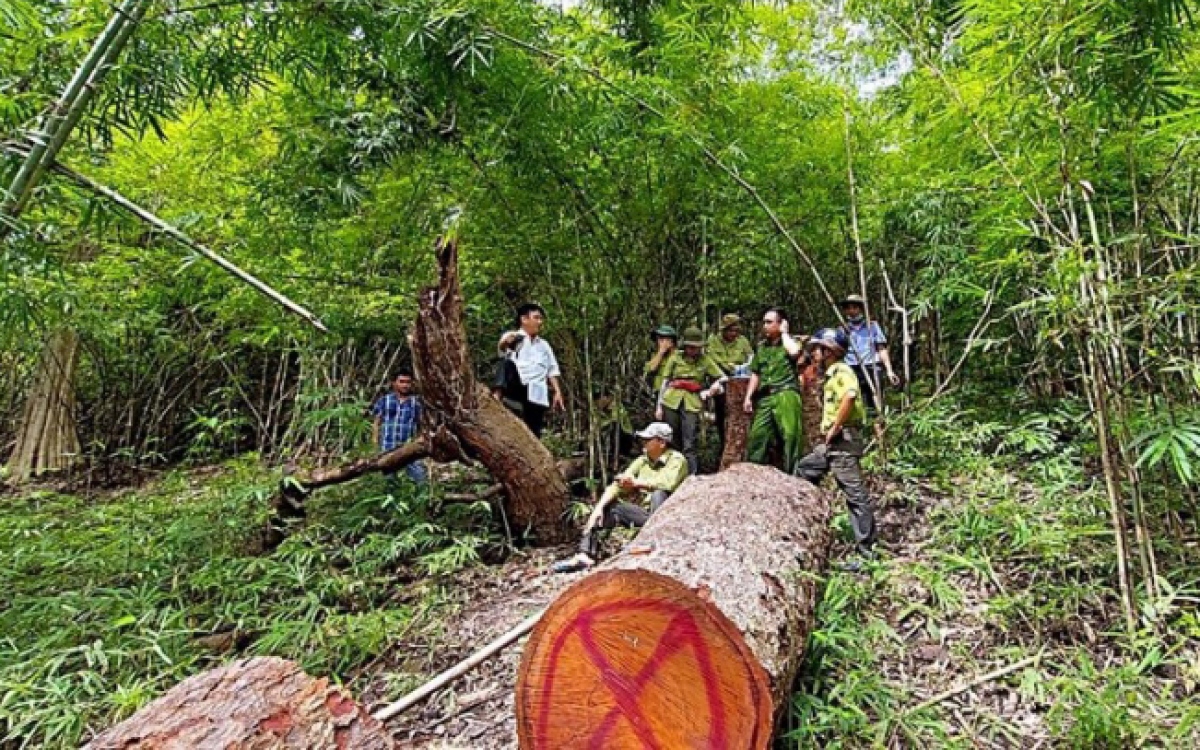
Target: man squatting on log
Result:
[651, 478]
[529, 370]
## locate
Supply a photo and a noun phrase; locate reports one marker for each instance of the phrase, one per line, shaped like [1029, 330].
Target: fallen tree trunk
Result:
[535, 492]
[462, 422]
[288, 503]
[693, 644]
[253, 704]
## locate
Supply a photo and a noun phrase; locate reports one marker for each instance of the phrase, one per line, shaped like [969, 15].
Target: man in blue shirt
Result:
[397, 420]
[868, 352]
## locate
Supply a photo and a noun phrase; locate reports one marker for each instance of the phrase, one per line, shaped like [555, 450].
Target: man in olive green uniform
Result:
[665, 338]
[650, 478]
[774, 394]
[729, 350]
[683, 392]
[842, 418]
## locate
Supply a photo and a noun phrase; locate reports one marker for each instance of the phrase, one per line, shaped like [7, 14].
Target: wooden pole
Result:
[458, 670]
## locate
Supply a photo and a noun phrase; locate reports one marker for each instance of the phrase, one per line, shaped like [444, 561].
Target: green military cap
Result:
[693, 336]
[664, 331]
[729, 320]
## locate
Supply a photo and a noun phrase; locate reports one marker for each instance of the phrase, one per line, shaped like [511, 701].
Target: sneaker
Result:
[573, 565]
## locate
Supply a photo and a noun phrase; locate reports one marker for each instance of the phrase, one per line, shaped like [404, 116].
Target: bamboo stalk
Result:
[716, 161]
[66, 112]
[187, 242]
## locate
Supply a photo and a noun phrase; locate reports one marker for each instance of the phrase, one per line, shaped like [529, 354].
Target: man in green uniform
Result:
[665, 338]
[651, 478]
[682, 396]
[774, 394]
[842, 419]
[729, 349]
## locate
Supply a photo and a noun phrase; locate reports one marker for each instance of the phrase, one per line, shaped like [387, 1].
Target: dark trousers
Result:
[516, 397]
[720, 403]
[842, 460]
[685, 424]
[627, 515]
[872, 392]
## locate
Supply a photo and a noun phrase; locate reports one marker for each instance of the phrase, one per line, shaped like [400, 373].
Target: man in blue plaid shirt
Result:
[397, 419]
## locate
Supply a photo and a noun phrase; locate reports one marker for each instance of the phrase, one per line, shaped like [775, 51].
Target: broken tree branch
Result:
[458, 670]
[981, 325]
[981, 680]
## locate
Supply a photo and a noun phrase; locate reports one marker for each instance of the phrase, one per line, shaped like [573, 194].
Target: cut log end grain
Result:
[254, 704]
[636, 659]
[693, 644]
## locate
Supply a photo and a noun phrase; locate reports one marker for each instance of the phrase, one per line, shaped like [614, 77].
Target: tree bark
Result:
[737, 422]
[48, 440]
[692, 637]
[254, 704]
[535, 492]
[810, 399]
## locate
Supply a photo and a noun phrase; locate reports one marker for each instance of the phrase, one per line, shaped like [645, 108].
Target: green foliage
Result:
[132, 581]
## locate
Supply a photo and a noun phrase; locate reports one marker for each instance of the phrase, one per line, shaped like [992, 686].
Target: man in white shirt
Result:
[530, 371]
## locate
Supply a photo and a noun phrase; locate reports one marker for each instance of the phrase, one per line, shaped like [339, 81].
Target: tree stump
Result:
[253, 704]
[536, 494]
[47, 439]
[810, 399]
[693, 644]
[737, 422]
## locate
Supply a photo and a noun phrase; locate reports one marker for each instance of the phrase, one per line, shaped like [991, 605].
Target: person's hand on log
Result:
[748, 405]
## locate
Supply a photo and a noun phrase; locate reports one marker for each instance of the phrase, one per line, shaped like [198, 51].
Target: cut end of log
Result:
[633, 659]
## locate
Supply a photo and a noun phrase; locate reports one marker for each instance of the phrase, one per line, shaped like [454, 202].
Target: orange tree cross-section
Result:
[693, 637]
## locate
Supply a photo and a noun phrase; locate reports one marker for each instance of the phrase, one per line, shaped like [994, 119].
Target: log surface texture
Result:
[254, 704]
[691, 638]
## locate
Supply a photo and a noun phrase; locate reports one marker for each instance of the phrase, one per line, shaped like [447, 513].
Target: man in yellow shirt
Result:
[729, 350]
[841, 447]
[650, 480]
[682, 394]
[665, 339]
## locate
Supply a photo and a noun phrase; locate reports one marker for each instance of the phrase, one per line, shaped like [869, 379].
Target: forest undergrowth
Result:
[996, 544]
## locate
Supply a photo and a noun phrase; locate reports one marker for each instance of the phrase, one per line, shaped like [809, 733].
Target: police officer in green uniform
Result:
[729, 349]
[683, 392]
[774, 394]
[841, 447]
